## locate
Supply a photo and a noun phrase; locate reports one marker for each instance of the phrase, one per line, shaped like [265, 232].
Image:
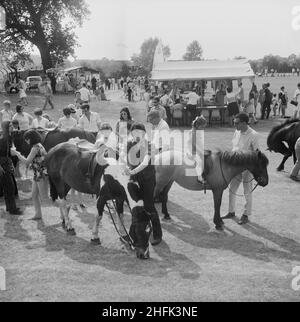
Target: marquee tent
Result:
[202, 70]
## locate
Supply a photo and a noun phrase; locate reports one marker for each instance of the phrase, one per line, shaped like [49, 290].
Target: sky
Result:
[224, 28]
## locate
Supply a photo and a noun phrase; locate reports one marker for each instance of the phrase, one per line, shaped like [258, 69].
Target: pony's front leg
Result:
[217, 204]
[281, 165]
[95, 232]
[66, 210]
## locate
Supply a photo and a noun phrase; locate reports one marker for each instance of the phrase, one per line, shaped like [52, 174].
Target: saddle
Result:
[88, 165]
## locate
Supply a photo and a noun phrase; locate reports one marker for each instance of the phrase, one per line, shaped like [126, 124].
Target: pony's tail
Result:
[53, 190]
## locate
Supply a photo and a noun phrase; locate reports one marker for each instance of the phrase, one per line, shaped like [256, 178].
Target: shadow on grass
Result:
[192, 228]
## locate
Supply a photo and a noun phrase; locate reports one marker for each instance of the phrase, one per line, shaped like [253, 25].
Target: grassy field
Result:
[246, 263]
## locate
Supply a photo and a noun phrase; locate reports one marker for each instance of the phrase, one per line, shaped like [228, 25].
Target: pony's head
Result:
[258, 167]
[255, 161]
[117, 185]
[279, 134]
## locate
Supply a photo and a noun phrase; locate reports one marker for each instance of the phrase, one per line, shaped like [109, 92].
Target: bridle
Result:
[227, 184]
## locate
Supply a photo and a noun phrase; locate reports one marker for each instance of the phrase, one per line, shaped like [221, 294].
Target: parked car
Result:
[33, 82]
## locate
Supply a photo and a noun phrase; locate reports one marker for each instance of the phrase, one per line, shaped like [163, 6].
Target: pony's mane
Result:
[276, 128]
[238, 158]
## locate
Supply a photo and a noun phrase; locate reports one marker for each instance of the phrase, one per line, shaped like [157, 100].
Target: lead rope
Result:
[129, 241]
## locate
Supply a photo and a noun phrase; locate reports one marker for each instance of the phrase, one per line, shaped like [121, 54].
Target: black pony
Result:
[287, 132]
[51, 138]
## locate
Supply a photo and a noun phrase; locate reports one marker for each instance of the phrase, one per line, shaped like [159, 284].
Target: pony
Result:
[70, 167]
[220, 169]
[51, 138]
[287, 132]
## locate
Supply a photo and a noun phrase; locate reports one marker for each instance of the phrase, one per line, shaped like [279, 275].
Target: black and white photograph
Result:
[149, 153]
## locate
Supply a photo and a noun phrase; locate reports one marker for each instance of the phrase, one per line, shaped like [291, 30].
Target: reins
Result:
[227, 184]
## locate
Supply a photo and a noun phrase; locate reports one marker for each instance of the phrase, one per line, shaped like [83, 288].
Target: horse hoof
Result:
[280, 169]
[220, 227]
[71, 232]
[95, 241]
[167, 217]
[155, 242]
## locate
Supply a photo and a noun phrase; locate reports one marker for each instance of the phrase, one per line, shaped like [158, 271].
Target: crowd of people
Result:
[159, 114]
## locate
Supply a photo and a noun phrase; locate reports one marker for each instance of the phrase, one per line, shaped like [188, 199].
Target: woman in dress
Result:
[35, 161]
[124, 125]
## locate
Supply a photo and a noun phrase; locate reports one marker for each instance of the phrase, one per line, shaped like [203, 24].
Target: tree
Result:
[42, 23]
[193, 51]
[144, 60]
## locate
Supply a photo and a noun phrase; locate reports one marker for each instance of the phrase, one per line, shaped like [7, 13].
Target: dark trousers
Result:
[9, 190]
[147, 186]
[169, 116]
[192, 110]
[266, 109]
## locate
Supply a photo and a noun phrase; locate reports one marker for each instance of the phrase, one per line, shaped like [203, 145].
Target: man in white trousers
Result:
[245, 139]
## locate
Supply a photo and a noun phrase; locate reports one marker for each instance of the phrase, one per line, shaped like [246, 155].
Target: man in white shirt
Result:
[160, 132]
[167, 102]
[297, 99]
[245, 139]
[85, 94]
[192, 102]
[89, 121]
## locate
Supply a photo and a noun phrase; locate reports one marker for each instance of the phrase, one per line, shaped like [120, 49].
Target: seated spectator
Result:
[67, 122]
[51, 124]
[39, 121]
[159, 108]
[177, 112]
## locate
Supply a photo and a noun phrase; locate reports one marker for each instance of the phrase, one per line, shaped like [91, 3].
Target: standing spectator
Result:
[35, 160]
[39, 121]
[94, 84]
[157, 107]
[267, 102]
[24, 119]
[113, 83]
[296, 98]
[53, 83]
[255, 94]
[274, 104]
[122, 82]
[22, 92]
[220, 96]
[249, 109]
[66, 83]
[160, 132]
[89, 121]
[261, 97]
[67, 122]
[129, 92]
[46, 89]
[146, 82]
[296, 169]
[245, 139]
[232, 105]
[283, 99]
[85, 95]
[123, 126]
[241, 96]
[192, 102]
[73, 82]
[7, 178]
[167, 102]
[6, 114]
